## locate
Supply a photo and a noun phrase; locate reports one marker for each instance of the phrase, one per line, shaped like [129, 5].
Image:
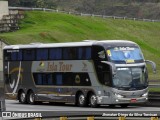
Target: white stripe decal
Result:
[14, 91]
[8, 68]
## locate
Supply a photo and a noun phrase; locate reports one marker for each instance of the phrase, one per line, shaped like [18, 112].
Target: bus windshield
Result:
[130, 79]
[125, 54]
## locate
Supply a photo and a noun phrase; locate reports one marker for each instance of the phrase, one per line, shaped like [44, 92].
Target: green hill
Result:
[58, 27]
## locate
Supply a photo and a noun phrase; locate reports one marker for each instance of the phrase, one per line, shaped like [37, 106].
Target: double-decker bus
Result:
[93, 73]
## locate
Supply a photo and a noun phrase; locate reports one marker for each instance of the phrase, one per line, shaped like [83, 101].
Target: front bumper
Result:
[115, 100]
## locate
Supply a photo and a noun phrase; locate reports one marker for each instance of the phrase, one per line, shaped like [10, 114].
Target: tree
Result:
[28, 3]
[14, 3]
[40, 3]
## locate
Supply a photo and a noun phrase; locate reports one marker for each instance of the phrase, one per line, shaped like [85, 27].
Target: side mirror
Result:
[152, 64]
[114, 70]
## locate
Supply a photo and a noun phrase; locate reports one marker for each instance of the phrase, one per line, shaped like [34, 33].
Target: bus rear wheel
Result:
[22, 97]
[93, 100]
[31, 97]
[81, 100]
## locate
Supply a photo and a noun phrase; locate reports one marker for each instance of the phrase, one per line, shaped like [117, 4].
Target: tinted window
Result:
[13, 55]
[42, 54]
[59, 79]
[43, 78]
[19, 55]
[55, 53]
[69, 53]
[29, 54]
[99, 53]
[84, 53]
[39, 79]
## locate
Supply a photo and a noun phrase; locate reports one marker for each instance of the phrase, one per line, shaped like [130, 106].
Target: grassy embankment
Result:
[56, 27]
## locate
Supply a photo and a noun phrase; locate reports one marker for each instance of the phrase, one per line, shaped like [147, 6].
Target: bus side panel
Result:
[12, 77]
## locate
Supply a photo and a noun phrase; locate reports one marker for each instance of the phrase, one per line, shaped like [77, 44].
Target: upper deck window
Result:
[125, 54]
[55, 54]
[84, 53]
[28, 54]
[13, 55]
[69, 53]
[42, 54]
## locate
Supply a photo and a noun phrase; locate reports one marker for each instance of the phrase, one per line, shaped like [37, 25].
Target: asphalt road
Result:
[47, 110]
[12, 105]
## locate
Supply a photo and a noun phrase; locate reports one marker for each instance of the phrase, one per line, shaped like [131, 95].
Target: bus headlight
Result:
[119, 96]
[145, 94]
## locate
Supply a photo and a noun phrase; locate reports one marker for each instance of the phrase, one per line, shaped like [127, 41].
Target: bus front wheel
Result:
[31, 97]
[81, 100]
[93, 100]
[22, 97]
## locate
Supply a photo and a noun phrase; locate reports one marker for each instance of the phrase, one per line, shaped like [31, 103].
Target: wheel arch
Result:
[89, 93]
[29, 90]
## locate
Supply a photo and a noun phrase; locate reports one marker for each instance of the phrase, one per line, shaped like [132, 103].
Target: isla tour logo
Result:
[6, 114]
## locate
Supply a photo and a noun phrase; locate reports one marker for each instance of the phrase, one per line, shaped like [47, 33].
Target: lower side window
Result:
[65, 79]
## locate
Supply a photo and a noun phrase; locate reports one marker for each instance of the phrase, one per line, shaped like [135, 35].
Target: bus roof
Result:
[70, 44]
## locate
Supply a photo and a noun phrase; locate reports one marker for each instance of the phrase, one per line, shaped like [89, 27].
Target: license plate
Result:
[133, 100]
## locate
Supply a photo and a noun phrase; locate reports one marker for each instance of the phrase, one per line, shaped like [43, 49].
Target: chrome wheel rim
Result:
[22, 97]
[93, 100]
[31, 98]
[81, 99]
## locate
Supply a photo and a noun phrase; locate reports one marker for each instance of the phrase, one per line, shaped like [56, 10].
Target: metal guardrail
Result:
[154, 96]
[81, 14]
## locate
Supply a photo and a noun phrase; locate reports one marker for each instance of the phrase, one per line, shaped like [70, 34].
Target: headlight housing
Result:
[145, 94]
[118, 95]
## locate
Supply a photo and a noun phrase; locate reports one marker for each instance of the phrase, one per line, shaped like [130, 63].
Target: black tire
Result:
[124, 105]
[81, 100]
[22, 97]
[31, 98]
[93, 101]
